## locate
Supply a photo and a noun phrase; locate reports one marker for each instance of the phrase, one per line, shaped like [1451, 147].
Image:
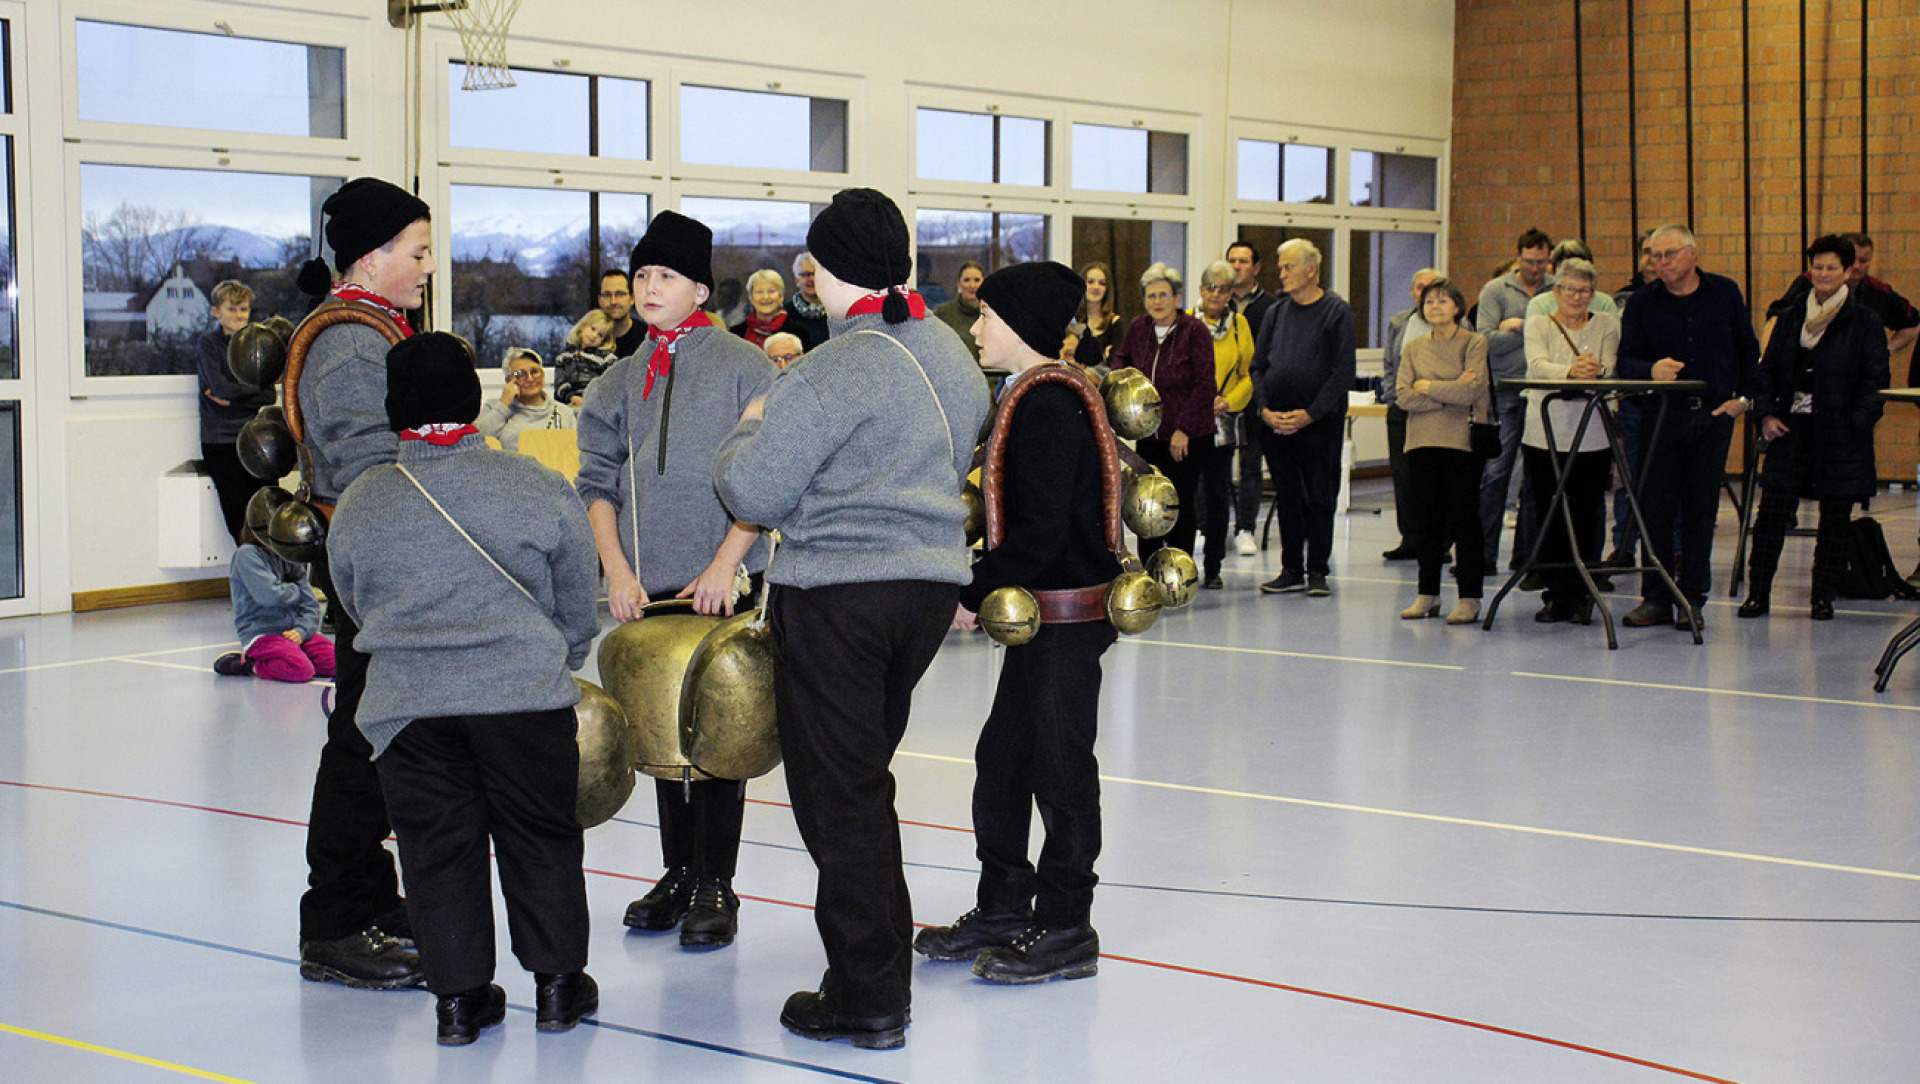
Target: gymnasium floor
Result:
[1340, 847]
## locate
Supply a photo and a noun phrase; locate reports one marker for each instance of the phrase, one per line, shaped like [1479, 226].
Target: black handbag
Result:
[1484, 437]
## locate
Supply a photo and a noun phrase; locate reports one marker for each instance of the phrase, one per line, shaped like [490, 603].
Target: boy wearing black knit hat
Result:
[649, 430]
[354, 928]
[457, 562]
[857, 456]
[1048, 506]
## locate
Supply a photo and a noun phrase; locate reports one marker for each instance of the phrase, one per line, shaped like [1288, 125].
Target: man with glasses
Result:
[616, 300]
[1686, 324]
[1502, 319]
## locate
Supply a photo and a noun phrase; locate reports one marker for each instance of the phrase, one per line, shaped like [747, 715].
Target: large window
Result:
[551, 113]
[154, 242]
[178, 79]
[1285, 172]
[12, 519]
[749, 235]
[1383, 266]
[759, 129]
[1110, 159]
[946, 239]
[980, 148]
[523, 261]
[1379, 179]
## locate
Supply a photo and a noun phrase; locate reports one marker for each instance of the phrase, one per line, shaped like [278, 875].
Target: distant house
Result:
[179, 303]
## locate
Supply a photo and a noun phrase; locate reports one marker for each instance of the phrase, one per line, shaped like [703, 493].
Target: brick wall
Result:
[1516, 156]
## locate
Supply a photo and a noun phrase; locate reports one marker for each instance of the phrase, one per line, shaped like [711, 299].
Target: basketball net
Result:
[483, 35]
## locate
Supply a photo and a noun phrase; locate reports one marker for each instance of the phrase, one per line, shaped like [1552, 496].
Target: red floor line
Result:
[1421, 1013]
[1181, 968]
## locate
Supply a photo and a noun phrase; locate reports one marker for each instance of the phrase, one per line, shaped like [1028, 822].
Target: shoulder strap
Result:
[945, 424]
[455, 524]
[328, 314]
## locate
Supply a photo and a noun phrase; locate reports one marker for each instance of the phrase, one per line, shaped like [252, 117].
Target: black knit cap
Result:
[1037, 300]
[862, 239]
[675, 241]
[364, 214]
[431, 380]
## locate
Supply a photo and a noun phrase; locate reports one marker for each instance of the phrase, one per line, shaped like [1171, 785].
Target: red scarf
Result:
[916, 305]
[439, 434]
[351, 291]
[660, 363]
[760, 329]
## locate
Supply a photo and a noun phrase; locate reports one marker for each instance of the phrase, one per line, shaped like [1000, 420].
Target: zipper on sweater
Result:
[666, 415]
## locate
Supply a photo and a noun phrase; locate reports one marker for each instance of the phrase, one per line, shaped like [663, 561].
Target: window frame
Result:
[1144, 120]
[760, 79]
[39, 544]
[1054, 113]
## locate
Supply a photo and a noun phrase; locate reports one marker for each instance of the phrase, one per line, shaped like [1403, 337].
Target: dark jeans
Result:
[850, 656]
[1587, 474]
[1037, 749]
[351, 882]
[1791, 462]
[700, 824]
[1306, 488]
[456, 784]
[1246, 510]
[1402, 476]
[1186, 482]
[1446, 512]
[231, 483]
[1216, 468]
[1496, 477]
[1681, 492]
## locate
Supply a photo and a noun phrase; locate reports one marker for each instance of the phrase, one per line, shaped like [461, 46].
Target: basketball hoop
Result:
[483, 35]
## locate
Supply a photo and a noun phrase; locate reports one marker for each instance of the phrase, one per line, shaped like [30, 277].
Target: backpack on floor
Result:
[1869, 571]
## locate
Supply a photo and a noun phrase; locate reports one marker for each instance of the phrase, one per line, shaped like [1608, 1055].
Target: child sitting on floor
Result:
[277, 617]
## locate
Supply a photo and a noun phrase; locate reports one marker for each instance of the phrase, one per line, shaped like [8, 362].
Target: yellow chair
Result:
[555, 448]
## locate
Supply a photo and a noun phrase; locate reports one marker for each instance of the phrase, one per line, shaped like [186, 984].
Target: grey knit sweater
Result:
[448, 635]
[343, 403]
[854, 463]
[715, 375]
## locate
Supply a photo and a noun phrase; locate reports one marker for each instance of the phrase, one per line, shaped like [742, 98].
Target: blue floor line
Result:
[294, 962]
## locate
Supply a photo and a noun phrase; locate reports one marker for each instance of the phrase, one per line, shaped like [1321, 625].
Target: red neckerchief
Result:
[760, 328]
[350, 291]
[660, 363]
[439, 434]
[916, 305]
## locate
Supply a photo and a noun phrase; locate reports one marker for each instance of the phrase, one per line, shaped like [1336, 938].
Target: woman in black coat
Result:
[1824, 365]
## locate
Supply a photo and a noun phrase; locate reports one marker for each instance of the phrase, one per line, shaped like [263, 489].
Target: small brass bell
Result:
[1176, 573]
[1150, 505]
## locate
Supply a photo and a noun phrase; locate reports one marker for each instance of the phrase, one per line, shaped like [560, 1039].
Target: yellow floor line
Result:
[1292, 654]
[1465, 822]
[137, 1059]
[1888, 705]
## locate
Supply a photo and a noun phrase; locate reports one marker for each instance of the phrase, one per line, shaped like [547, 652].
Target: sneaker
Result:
[1317, 585]
[970, 935]
[1244, 545]
[1040, 955]
[1283, 583]
[233, 664]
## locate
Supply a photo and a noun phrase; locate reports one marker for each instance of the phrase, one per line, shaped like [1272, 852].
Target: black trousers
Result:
[1306, 488]
[1587, 474]
[700, 824]
[457, 782]
[1446, 512]
[1791, 462]
[1246, 511]
[1185, 475]
[1216, 470]
[1682, 490]
[1037, 749]
[850, 656]
[1402, 475]
[231, 483]
[351, 882]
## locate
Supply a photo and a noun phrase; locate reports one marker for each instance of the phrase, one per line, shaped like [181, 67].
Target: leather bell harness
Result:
[328, 314]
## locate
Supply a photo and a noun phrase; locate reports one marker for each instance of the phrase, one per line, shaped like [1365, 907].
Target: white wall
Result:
[1370, 66]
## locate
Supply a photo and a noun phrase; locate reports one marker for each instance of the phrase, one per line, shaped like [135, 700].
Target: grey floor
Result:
[1340, 847]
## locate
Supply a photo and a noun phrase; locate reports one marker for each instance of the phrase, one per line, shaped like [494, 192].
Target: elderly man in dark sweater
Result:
[858, 462]
[1303, 366]
[1687, 324]
[471, 574]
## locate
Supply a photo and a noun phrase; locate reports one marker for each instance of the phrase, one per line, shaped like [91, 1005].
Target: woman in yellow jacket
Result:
[1233, 389]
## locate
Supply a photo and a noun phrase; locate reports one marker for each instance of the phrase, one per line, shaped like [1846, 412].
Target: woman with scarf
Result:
[648, 436]
[766, 307]
[1232, 391]
[1824, 365]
